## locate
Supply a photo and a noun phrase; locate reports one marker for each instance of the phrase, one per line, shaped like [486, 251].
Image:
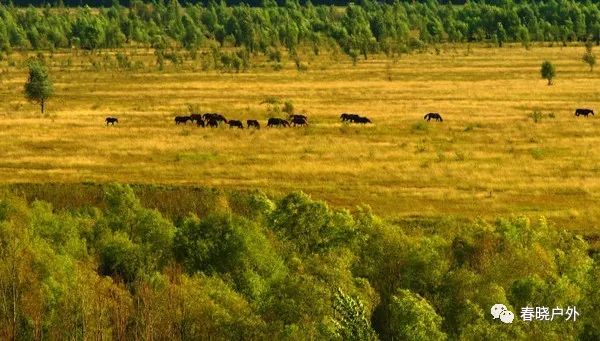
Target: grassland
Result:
[487, 158]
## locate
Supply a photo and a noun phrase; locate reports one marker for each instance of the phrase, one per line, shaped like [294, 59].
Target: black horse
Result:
[111, 120]
[433, 116]
[362, 120]
[584, 112]
[295, 116]
[182, 119]
[216, 116]
[345, 117]
[277, 122]
[235, 123]
[213, 123]
[299, 121]
[253, 123]
[195, 117]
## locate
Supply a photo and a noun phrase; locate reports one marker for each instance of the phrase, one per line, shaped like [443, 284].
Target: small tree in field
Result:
[590, 59]
[38, 87]
[548, 71]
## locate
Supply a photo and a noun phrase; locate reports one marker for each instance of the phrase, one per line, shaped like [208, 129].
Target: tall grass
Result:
[399, 165]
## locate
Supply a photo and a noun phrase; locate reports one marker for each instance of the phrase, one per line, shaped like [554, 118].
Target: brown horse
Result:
[253, 123]
[195, 117]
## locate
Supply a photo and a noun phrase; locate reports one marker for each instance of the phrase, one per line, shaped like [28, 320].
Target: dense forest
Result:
[251, 267]
[357, 29]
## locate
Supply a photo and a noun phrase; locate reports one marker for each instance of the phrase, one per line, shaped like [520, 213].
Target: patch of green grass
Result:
[537, 153]
[419, 127]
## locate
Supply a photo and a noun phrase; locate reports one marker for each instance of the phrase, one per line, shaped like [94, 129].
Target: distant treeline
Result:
[253, 3]
[357, 29]
[245, 266]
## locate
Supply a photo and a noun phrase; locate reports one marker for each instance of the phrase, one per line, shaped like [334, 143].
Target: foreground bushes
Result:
[290, 269]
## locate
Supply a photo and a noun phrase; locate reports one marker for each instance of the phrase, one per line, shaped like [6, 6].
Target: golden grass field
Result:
[487, 158]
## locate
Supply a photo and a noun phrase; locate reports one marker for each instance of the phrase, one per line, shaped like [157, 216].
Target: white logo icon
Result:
[497, 309]
[500, 311]
[507, 316]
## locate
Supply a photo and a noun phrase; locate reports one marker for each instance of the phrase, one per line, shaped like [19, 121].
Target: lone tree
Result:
[38, 87]
[548, 71]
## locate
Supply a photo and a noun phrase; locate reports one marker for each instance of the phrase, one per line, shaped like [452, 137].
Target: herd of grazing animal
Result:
[213, 120]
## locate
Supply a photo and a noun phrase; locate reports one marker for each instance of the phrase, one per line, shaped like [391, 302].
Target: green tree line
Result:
[358, 29]
[291, 268]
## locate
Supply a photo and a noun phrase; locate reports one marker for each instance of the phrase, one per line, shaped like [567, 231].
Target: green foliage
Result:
[548, 71]
[358, 29]
[146, 228]
[289, 268]
[351, 320]
[310, 226]
[39, 87]
[413, 318]
[590, 59]
[120, 257]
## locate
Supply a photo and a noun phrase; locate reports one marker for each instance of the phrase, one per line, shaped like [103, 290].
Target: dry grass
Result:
[487, 158]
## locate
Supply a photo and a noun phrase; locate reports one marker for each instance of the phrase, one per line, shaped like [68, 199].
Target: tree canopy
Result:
[358, 29]
[290, 268]
[39, 87]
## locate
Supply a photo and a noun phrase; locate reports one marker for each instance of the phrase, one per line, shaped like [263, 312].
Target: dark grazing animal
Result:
[200, 123]
[277, 122]
[584, 112]
[253, 123]
[216, 116]
[182, 119]
[433, 116]
[195, 117]
[111, 120]
[354, 118]
[213, 123]
[362, 120]
[345, 117]
[299, 121]
[294, 116]
[235, 123]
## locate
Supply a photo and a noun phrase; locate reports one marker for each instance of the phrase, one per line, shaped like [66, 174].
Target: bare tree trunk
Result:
[42, 106]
